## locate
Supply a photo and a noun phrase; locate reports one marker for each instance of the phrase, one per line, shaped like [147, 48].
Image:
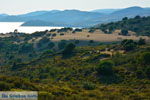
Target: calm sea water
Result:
[6, 27]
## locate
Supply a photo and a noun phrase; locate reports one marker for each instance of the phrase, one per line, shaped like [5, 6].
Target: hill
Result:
[69, 17]
[37, 23]
[131, 12]
[140, 25]
[105, 11]
[105, 71]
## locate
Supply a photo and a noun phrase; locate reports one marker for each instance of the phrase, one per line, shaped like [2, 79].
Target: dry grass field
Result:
[85, 35]
[97, 36]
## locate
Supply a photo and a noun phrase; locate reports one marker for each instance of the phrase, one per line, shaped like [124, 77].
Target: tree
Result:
[62, 44]
[26, 48]
[77, 41]
[4, 86]
[145, 58]
[44, 40]
[125, 18]
[105, 68]
[140, 74]
[128, 45]
[141, 41]
[69, 49]
[91, 30]
[124, 32]
[51, 45]
[147, 72]
[89, 86]
[91, 41]
[137, 17]
[77, 30]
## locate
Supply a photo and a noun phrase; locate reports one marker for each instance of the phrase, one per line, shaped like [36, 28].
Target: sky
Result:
[14, 7]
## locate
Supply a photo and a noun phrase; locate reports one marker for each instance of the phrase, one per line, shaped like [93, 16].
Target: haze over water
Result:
[6, 27]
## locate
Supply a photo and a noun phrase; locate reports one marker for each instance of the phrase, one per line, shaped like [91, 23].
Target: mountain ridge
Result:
[77, 17]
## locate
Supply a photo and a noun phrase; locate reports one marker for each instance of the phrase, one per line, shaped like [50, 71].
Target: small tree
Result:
[69, 49]
[26, 48]
[145, 58]
[89, 86]
[62, 44]
[105, 68]
[91, 30]
[148, 72]
[77, 41]
[91, 41]
[44, 40]
[4, 86]
[125, 18]
[141, 41]
[128, 45]
[124, 32]
[51, 45]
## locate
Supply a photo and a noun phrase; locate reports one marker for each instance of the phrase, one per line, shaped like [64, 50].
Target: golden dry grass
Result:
[96, 36]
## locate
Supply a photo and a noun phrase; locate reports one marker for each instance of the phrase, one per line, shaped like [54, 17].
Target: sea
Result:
[7, 27]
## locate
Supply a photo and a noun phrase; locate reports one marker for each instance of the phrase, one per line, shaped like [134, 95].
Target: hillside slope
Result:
[86, 73]
[140, 25]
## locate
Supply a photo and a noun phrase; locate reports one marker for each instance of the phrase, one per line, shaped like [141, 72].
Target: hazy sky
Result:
[23, 6]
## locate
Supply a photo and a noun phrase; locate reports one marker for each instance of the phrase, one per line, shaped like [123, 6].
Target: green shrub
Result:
[140, 74]
[91, 41]
[141, 41]
[77, 41]
[4, 86]
[145, 58]
[147, 72]
[105, 68]
[62, 44]
[69, 49]
[89, 86]
[124, 32]
[128, 45]
[51, 45]
[26, 48]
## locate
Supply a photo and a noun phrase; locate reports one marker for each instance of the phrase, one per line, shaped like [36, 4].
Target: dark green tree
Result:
[4, 86]
[124, 32]
[105, 68]
[26, 48]
[141, 41]
[128, 45]
[62, 44]
[145, 58]
[69, 49]
[51, 45]
[125, 18]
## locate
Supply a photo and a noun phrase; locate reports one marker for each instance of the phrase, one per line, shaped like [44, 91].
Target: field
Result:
[96, 36]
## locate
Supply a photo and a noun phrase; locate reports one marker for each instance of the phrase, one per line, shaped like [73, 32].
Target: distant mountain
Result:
[105, 11]
[3, 15]
[36, 13]
[127, 12]
[109, 11]
[132, 11]
[76, 17]
[67, 17]
[37, 23]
